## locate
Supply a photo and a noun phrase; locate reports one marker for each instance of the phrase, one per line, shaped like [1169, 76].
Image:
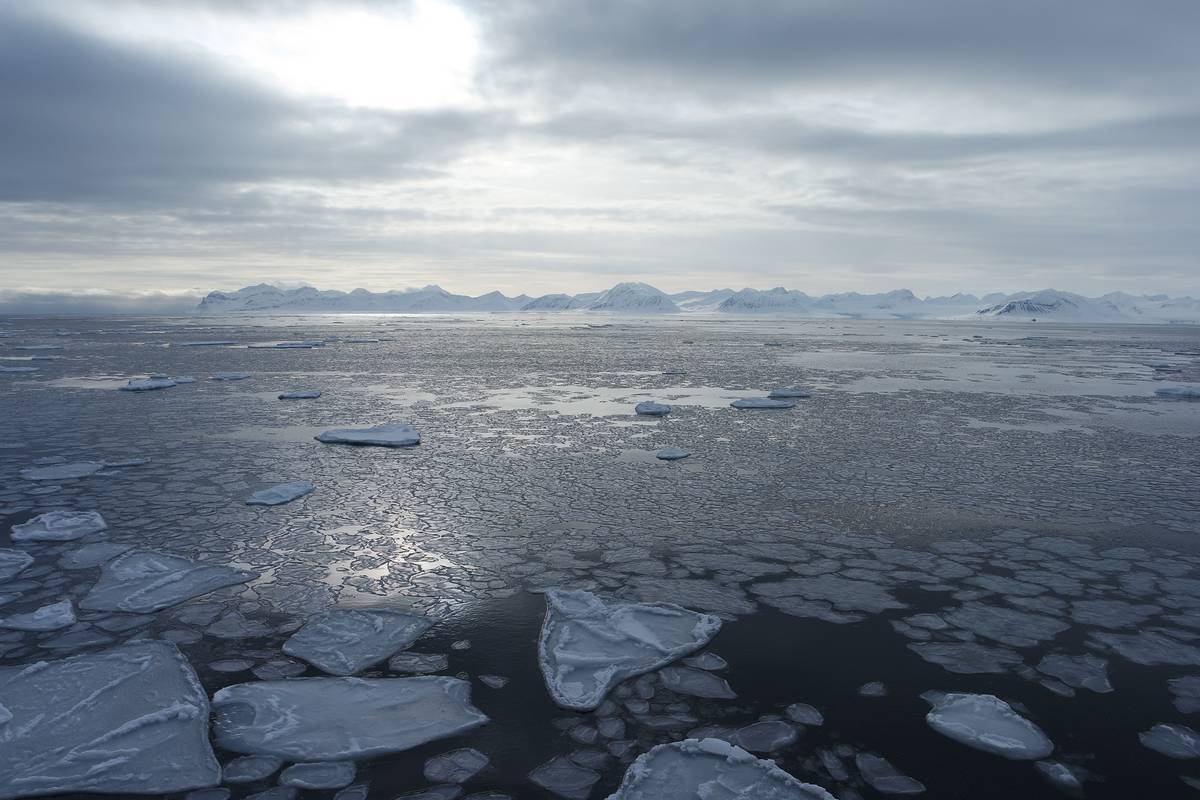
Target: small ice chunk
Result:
[1179, 392]
[230, 376]
[565, 778]
[1176, 741]
[710, 768]
[457, 766]
[278, 668]
[62, 472]
[766, 736]
[148, 384]
[1080, 672]
[301, 394]
[338, 719]
[394, 435]
[346, 641]
[784, 394]
[672, 454]
[1149, 648]
[648, 408]
[1064, 777]
[47, 618]
[884, 778]
[231, 665]
[1187, 693]
[494, 681]
[144, 731]
[92, 555]
[587, 645]
[696, 682]
[762, 402]
[248, 769]
[804, 714]
[59, 526]
[143, 581]
[321, 775]
[418, 663]
[12, 562]
[461, 644]
[873, 689]
[987, 723]
[278, 495]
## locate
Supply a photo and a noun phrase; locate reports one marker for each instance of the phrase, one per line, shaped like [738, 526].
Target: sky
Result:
[151, 150]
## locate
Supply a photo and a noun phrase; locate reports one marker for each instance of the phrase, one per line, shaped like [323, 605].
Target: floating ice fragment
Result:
[706, 660]
[230, 376]
[784, 394]
[278, 495]
[337, 719]
[394, 435]
[12, 562]
[1179, 392]
[1176, 741]
[1005, 625]
[967, 658]
[47, 618]
[326, 775]
[457, 766]
[766, 736]
[1080, 672]
[883, 777]
[1064, 777]
[648, 408]
[147, 384]
[873, 689]
[494, 681]
[143, 581]
[762, 402]
[59, 526]
[804, 714]
[231, 665]
[92, 555]
[418, 663]
[302, 394]
[696, 682]
[565, 778]
[248, 769]
[1149, 648]
[711, 769]
[987, 723]
[587, 646]
[671, 454]
[1187, 693]
[62, 472]
[278, 668]
[145, 730]
[346, 641]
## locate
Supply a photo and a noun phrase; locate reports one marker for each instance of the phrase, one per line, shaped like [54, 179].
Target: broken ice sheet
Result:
[145, 729]
[346, 641]
[143, 581]
[59, 526]
[587, 646]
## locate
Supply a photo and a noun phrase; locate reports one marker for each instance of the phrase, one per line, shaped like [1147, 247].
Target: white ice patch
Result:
[148, 384]
[987, 723]
[648, 408]
[1176, 741]
[143, 581]
[395, 435]
[12, 562]
[59, 526]
[762, 403]
[302, 394]
[346, 641]
[47, 618]
[131, 720]
[587, 646]
[62, 472]
[339, 719]
[713, 770]
[278, 495]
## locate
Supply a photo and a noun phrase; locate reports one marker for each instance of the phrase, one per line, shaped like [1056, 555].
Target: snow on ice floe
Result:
[987, 723]
[587, 645]
[143, 581]
[457, 766]
[301, 394]
[709, 768]
[649, 408]
[1179, 392]
[885, 778]
[785, 394]
[278, 495]
[12, 562]
[762, 402]
[59, 526]
[394, 435]
[1175, 741]
[340, 719]
[47, 618]
[148, 384]
[346, 641]
[671, 454]
[320, 775]
[130, 720]
[62, 472]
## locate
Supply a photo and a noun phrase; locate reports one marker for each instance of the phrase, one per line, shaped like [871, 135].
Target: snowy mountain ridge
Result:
[642, 298]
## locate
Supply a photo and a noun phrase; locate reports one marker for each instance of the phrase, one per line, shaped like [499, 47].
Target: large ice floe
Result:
[59, 526]
[987, 723]
[346, 641]
[1175, 741]
[393, 435]
[283, 493]
[339, 719]
[62, 472]
[131, 720]
[587, 645]
[763, 403]
[143, 581]
[711, 769]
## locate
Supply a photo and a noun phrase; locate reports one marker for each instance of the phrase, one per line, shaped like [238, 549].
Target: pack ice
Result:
[339, 719]
[62, 472]
[131, 720]
[711, 769]
[59, 526]
[394, 435]
[143, 581]
[346, 641]
[588, 646]
[278, 495]
[987, 723]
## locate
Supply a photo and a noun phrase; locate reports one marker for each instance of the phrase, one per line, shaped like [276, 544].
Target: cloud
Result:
[35, 301]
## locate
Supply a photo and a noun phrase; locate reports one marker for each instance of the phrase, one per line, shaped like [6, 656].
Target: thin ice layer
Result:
[711, 769]
[131, 720]
[588, 646]
[278, 495]
[143, 581]
[346, 641]
[338, 719]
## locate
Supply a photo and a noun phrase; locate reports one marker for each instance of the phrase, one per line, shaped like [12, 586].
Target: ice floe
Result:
[985, 722]
[588, 645]
[671, 454]
[879, 773]
[62, 472]
[1149, 648]
[784, 394]
[710, 768]
[230, 376]
[1175, 741]
[766, 736]
[145, 730]
[346, 641]
[457, 766]
[302, 394]
[148, 384]
[696, 682]
[1078, 672]
[59, 526]
[92, 555]
[967, 658]
[143, 581]
[248, 769]
[393, 435]
[763, 403]
[418, 663]
[648, 408]
[1179, 392]
[321, 775]
[338, 719]
[804, 714]
[12, 562]
[50, 617]
[565, 778]
[1006, 625]
[278, 495]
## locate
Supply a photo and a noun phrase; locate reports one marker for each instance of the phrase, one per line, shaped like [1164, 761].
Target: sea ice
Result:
[1176, 741]
[62, 472]
[884, 778]
[696, 682]
[494, 681]
[967, 658]
[649, 408]
[143, 581]
[130, 720]
[710, 769]
[457, 766]
[248, 769]
[302, 394]
[766, 736]
[804, 714]
[1187, 693]
[319, 775]
[1149, 648]
[147, 384]
[587, 645]
[59, 526]
[1005, 625]
[1080, 672]
[418, 663]
[92, 555]
[784, 394]
[12, 562]
[706, 660]
[346, 641]
[873, 689]
[278, 495]
[672, 454]
[987, 723]
[47, 618]
[231, 665]
[762, 402]
[1179, 392]
[230, 376]
[338, 719]
[1064, 777]
[394, 435]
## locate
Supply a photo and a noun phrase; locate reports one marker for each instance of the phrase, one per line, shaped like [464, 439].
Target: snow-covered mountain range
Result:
[641, 298]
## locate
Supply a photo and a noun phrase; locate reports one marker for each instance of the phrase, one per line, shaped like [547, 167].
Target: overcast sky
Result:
[825, 145]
